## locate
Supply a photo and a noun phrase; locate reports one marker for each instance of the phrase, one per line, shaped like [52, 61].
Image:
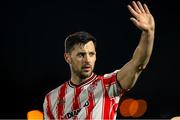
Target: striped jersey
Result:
[95, 98]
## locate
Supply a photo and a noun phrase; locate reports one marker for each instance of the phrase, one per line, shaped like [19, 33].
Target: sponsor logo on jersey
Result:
[75, 112]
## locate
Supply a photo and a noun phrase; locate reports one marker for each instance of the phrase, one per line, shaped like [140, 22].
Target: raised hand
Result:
[142, 17]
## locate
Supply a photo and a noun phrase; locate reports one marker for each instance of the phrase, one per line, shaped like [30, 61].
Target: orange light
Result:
[142, 107]
[133, 108]
[35, 115]
[124, 107]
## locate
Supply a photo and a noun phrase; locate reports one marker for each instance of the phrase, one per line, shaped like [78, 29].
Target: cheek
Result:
[93, 61]
[76, 63]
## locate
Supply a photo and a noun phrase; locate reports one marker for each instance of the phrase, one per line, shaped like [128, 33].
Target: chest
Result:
[79, 99]
[80, 96]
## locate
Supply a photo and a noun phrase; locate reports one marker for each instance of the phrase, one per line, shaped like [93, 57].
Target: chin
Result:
[86, 75]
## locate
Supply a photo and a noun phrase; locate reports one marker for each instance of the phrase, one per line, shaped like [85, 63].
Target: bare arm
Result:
[142, 19]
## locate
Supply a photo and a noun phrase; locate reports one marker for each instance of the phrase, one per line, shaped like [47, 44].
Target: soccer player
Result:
[90, 96]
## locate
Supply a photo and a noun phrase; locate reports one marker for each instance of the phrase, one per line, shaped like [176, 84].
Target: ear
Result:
[67, 58]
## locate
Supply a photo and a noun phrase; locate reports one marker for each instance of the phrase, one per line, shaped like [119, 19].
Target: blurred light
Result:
[142, 107]
[133, 108]
[124, 107]
[35, 115]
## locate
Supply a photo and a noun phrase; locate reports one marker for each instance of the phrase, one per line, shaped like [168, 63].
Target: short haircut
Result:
[78, 38]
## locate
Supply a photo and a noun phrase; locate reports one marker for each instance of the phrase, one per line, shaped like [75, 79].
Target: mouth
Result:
[86, 68]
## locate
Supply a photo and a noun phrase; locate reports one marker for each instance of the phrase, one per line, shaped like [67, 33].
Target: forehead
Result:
[89, 46]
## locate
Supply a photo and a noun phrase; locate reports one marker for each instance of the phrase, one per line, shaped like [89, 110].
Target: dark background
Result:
[32, 47]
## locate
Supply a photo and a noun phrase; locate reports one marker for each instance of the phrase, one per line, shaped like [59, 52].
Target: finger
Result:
[132, 11]
[146, 8]
[140, 7]
[134, 21]
[136, 8]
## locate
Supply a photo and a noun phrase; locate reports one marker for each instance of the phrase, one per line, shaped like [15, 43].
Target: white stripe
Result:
[54, 100]
[113, 90]
[83, 98]
[45, 108]
[69, 99]
[98, 98]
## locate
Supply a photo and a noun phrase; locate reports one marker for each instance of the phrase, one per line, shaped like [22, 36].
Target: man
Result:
[90, 96]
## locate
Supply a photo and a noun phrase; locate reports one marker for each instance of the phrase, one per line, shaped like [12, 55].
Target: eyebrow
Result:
[81, 53]
[86, 53]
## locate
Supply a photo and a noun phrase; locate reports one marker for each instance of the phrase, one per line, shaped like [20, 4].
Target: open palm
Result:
[142, 17]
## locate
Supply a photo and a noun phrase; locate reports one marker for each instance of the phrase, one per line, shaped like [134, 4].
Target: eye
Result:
[80, 54]
[91, 54]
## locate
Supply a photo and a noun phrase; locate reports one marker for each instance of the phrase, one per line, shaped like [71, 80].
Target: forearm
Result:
[143, 51]
[129, 73]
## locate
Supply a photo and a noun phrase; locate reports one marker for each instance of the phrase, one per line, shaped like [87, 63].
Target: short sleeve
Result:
[113, 87]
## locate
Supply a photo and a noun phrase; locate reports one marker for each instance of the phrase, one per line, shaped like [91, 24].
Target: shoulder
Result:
[108, 78]
[55, 91]
[110, 75]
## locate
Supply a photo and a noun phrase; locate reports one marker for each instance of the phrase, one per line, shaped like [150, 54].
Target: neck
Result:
[77, 80]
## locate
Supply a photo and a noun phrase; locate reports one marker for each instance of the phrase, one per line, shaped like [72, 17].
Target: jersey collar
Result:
[90, 79]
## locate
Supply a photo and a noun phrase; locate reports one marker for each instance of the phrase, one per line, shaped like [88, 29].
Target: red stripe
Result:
[76, 100]
[109, 110]
[114, 108]
[108, 81]
[106, 101]
[91, 105]
[61, 98]
[49, 112]
[107, 104]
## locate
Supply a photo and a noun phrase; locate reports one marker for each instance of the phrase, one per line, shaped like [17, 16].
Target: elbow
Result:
[141, 67]
[141, 64]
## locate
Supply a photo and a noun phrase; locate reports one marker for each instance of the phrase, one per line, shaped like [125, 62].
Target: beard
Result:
[82, 73]
[85, 75]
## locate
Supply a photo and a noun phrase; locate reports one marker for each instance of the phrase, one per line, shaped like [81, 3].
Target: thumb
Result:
[134, 21]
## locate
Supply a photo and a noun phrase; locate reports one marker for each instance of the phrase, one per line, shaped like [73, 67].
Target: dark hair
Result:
[78, 38]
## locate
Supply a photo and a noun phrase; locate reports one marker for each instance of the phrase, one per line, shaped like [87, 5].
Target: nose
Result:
[87, 58]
